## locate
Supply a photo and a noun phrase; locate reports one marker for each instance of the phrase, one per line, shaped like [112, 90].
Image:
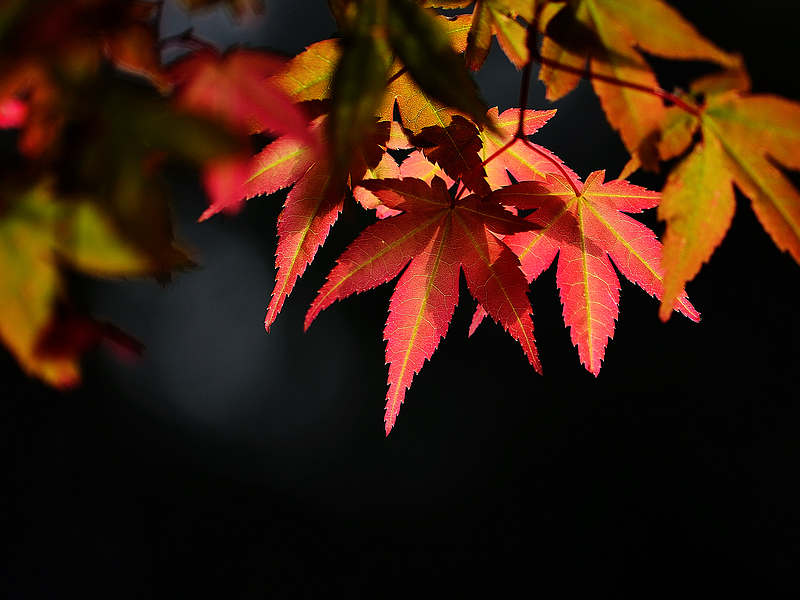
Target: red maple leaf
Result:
[435, 237]
[313, 204]
[585, 225]
[523, 160]
[234, 89]
[310, 210]
[455, 149]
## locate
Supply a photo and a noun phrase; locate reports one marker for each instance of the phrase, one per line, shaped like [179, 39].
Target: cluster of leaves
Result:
[387, 115]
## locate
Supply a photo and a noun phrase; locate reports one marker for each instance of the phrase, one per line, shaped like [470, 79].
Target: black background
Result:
[674, 471]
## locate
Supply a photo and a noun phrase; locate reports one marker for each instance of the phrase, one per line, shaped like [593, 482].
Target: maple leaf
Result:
[456, 149]
[499, 17]
[424, 46]
[364, 80]
[312, 205]
[488, 18]
[419, 109]
[433, 239]
[743, 137]
[309, 75]
[310, 209]
[525, 162]
[234, 88]
[610, 33]
[462, 151]
[415, 166]
[38, 234]
[585, 227]
[517, 159]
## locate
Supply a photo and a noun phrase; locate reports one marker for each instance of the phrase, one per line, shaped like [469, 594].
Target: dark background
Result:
[232, 463]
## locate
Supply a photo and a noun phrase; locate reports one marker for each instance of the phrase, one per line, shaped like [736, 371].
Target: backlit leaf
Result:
[499, 17]
[436, 238]
[610, 34]
[743, 137]
[423, 45]
[585, 228]
[523, 162]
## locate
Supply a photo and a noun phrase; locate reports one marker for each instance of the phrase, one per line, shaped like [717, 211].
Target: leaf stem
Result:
[587, 74]
[557, 164]
[520, 134]
[523, 98]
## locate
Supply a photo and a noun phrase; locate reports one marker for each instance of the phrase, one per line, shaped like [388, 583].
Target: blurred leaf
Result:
[134, 132]
[135, 48]
[13, 112]
[38, 234]
[233, 88]
[51, 51]
[359, 82]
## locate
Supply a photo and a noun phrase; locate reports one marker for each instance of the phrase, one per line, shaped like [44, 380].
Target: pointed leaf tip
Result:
[587, 231]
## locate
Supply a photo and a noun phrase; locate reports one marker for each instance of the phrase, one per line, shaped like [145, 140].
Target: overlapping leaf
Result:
[38, 234]
[392, 57]
[499, 17]
[313, 204]
[234, 89]
[435, 237]
[310, 210]
[50, 50]
[584, 226]
[610, 33]
[423, 45]
[456, 149]
[743, 137]
[525, 162]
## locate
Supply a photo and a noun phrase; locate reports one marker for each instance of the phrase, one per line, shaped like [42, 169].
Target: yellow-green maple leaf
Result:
[499, 17]
[744, 139]
[38, 234]
[617, 31]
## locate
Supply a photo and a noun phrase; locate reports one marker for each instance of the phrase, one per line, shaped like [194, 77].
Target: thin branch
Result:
[588, 74]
